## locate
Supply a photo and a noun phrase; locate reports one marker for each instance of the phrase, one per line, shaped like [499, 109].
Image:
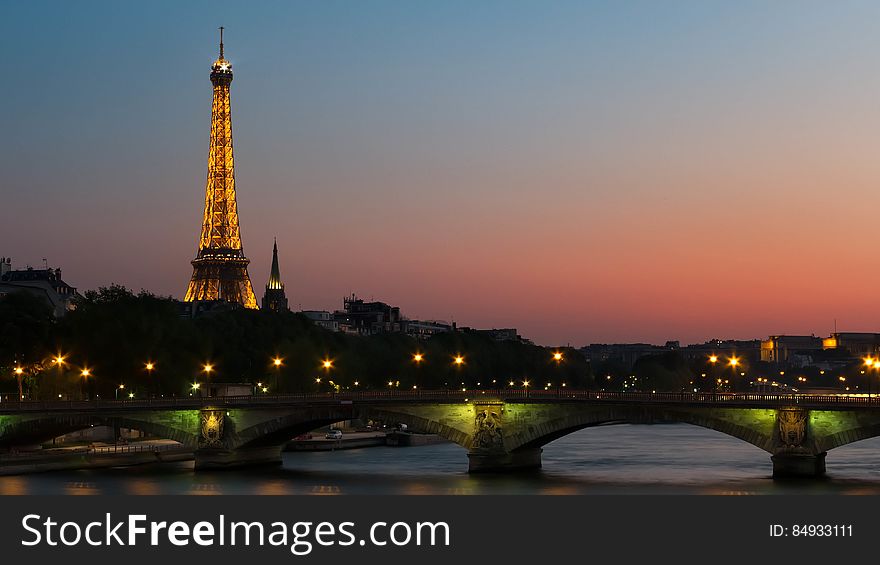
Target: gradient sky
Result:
[583, 171]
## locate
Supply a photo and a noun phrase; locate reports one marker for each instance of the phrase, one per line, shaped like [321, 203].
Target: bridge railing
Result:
[447, 395]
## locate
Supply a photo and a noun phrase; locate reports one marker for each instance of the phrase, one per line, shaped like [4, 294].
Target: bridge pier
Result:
[787, 465]
[234, 458]
[504, 461]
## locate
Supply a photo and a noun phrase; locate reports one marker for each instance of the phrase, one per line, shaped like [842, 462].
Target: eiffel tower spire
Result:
[220, 267]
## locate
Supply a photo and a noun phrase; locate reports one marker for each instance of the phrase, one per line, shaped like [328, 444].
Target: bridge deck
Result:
[759, 400]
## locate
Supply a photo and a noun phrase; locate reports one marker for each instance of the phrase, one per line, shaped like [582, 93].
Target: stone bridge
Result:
[501, 430]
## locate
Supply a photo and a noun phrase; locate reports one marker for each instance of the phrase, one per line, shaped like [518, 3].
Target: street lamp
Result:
[326, 364]
[18, 373]
[734, 362]
[277, 362]
[876, 366]
[149, 366]
[207, 368]
[195, 388]
[418, 357]
[713, 359]
[85, 373]
[59, 362]
[526, 387]
[120, 387]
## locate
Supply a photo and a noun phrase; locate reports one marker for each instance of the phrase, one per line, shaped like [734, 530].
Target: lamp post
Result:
[149, 366]
[876, 366]
[869, 364]
[85, 374]
[458, 362]
[713, 359]
[120, 387]
[207, 368]
[326, 364]
[418, 357]
[734, 363]
[558, 358]
[58, 361]
[277, 362]
[18, 373]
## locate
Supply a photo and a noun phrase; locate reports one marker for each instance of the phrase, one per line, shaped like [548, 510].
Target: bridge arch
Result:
[758, 431]
[282, 427]
[40, 429]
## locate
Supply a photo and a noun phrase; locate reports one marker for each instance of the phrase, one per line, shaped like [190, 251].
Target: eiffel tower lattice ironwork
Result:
[220, 267]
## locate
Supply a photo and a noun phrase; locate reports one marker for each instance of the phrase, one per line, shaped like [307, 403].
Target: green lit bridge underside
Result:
[500, 430]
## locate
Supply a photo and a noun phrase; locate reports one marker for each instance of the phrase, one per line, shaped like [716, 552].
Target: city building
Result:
[367, 318]
[502, 334]
[220, 267]
[747, 350]
[424, 329]
[623, 355]
[274, 299]
[322, 318]
[856, 344]
[45, 284]
[795, 349]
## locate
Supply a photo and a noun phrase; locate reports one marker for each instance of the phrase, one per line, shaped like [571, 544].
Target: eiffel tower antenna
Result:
[221, 42]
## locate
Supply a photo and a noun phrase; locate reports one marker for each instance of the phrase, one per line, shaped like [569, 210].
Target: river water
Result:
[623, 459]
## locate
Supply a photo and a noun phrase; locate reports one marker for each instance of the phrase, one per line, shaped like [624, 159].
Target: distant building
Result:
[747, 350]
[782, 349]
[274, 299]
[322, 318]
[46, 284]
[857, 344]
[424, 329]
[503, 334]
[623, 354]
[367, 318]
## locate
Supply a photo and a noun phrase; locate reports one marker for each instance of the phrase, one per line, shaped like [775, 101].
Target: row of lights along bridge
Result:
[60, 362]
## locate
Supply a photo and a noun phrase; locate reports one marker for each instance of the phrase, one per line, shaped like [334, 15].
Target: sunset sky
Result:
[582, 171]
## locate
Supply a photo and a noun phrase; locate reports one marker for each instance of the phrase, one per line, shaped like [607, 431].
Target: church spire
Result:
[275, 299]
[275, 274]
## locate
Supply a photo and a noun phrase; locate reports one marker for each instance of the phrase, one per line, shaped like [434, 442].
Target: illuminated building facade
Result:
[274, 298]
[220, 267]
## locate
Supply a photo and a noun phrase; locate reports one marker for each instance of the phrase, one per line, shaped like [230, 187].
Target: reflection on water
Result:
[659, 459]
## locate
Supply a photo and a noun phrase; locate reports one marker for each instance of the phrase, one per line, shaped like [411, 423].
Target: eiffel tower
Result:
[220, 267]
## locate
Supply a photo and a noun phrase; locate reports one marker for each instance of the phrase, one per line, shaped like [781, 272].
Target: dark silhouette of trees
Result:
[114, 333]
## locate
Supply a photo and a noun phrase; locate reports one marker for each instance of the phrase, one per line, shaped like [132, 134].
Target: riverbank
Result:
[101, 455]
[94, 457]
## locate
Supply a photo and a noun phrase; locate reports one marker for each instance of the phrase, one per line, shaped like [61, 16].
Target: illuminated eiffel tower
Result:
[220, 267]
